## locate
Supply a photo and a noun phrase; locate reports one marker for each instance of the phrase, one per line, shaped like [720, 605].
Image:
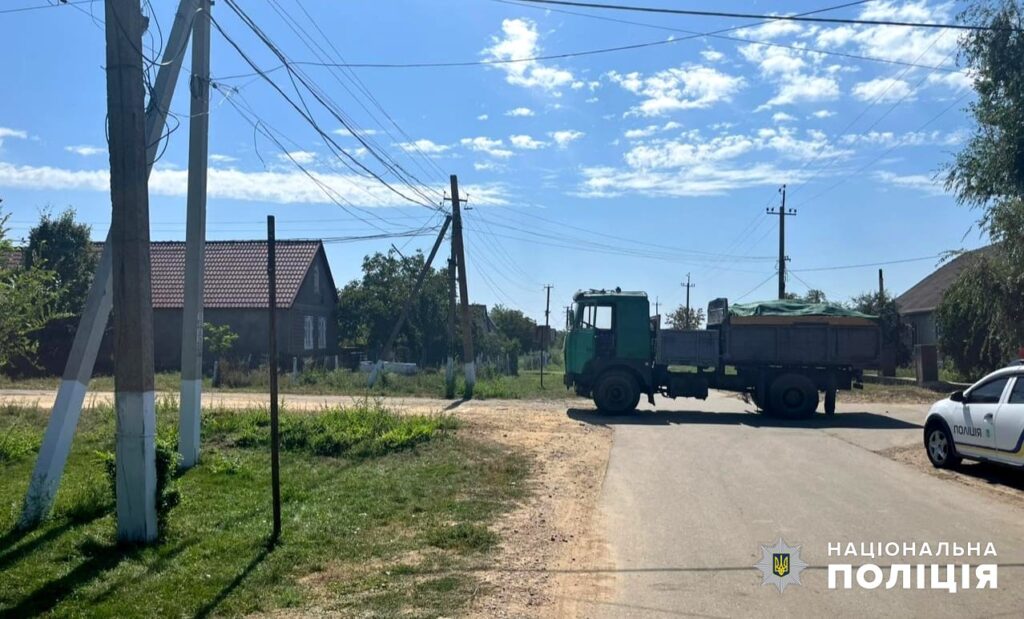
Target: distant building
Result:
[917, 305]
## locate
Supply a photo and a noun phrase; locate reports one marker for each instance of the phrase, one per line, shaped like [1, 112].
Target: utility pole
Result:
[67, 406]
[568, 317]
[689, 318]
[386, 350]
[544, 337]
[460, 256]
[195, 243]
[135, 449]
[881, 288]
[275, 434]
[449, 367]
[782, 213]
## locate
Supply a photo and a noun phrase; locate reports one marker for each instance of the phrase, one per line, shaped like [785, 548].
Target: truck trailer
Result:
[780, 354]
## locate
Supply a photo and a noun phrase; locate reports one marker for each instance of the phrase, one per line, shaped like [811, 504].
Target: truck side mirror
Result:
[956, 396]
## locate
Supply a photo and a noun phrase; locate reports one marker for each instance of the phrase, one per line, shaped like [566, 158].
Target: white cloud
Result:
[526, 142]
[681, 88]
[919, 182]
[483, 166]
[953, 81]
[711, 55]
[291, 187]
[649, 130]
[85, 150]
[301, 157]
[6, 132]
[823, 114]
[771, 30]
[802, 88]
[520, 111]
[591, 100]
[882, 90]
[782, 117]
[519, 42]
[425, 146]
[219, 158]
[910, 138]
[343, 132]
[563, 138]
[482, 117]
[492, 147]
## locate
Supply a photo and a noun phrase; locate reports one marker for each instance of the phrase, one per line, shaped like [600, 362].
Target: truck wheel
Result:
[830, 401]
[793, 396]
[616, 392]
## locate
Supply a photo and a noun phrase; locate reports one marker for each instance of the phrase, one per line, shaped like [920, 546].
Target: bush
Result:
[18, 442]
[167, 494]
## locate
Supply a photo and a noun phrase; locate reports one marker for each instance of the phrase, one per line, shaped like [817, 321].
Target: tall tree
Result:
[515, 325]
[63, 246]
[894, 329]
[679, 318]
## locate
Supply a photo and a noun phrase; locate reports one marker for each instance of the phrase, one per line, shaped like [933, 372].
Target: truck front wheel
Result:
[616, 392]
[793, 396]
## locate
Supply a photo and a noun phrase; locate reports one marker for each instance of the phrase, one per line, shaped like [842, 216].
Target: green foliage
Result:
[462, 537]
[515, 326]
[17, 442]
[167, 493]
[219, 338]
[894, 329]
[369, 308]
[813, 295]
[680, 319]
[975, 333]
[62, 245]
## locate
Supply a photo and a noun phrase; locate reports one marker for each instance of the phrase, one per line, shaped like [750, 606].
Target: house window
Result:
[321, 340]
[307, 339]
[316, 280]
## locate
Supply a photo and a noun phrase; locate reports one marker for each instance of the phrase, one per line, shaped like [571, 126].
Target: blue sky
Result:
[628, 169]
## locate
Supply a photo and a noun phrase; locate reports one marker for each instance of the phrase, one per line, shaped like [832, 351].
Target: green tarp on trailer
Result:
[793, 308]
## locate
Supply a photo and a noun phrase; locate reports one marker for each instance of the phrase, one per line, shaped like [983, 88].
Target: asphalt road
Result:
[690, 496]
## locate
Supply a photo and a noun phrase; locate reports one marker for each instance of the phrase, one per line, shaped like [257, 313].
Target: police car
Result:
[983, 422]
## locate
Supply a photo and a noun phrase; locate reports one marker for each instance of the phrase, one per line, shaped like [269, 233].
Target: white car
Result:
[984, 422]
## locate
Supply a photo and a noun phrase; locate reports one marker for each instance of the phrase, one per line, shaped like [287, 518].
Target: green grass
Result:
[427, 384]
[383, 515]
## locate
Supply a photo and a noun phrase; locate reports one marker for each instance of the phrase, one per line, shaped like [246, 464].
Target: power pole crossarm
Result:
[782, 213]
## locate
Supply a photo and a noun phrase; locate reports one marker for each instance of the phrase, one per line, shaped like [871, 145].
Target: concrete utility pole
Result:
[129, 234]
[386, 350]
[449, 367]
[689, 318]
[881, 287]
[460, 256]
[67, 406]
[275, 434]
[782, 213]
[544, 337]
[195, 243]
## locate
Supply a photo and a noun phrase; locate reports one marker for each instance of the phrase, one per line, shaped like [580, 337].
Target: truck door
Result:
[1010, 422]
[601, 318]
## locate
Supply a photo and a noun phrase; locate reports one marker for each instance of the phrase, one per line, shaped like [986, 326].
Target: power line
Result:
[795, 18]
[865, 265]
[45, 6]
[755, 288]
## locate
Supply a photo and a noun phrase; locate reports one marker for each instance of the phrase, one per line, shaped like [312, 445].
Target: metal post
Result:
[275, 463]
[460, 253]
[67, 406]
[134, 399]
[195, 243]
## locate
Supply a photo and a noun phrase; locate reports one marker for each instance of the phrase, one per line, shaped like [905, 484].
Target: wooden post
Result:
[275, 463]
[135, 446]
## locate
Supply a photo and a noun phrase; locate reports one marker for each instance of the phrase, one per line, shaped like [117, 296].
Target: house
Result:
[235, 294]
[917, 305]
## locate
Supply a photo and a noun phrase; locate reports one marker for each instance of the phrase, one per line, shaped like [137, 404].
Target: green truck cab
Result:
[779, 354]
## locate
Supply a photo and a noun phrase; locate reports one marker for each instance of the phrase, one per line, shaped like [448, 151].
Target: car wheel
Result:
[793, 396]
[939, 446]
[616, 392]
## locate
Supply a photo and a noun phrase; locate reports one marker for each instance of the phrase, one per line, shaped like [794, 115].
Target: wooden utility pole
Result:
[275, 437]
[568, 317]
[67, 406]
[460, 256]
[782, 213]
[689, 318]
[547, 329]
[195, 242]
[386, 350]
[881, 288]
[135, 449]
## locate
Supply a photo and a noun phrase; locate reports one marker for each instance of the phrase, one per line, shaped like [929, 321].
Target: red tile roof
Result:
[235, 274]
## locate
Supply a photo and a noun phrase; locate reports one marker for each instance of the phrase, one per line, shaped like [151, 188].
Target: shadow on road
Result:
[992, 474]
[861, 420]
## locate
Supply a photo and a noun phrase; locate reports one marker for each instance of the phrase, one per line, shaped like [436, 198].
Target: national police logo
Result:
[780, 564]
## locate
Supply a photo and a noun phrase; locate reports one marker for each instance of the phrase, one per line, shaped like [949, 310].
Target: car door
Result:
[975, 426]
[1009, 427]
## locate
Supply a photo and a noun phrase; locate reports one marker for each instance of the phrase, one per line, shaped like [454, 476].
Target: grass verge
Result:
[383, 514]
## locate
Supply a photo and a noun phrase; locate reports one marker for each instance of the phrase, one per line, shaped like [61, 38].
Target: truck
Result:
[781, 355]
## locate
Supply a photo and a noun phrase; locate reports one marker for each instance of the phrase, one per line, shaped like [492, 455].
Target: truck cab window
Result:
[602, 317]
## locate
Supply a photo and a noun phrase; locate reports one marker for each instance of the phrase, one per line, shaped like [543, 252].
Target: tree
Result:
[369, 307]
[63, 246]
[28, 300]
[974, 332]
[988, 174]
[680, 319]
[514, 325]
[889, 319]
[813, 296]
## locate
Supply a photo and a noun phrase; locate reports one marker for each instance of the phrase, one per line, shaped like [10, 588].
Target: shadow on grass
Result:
[863, 420]
[10, 552]
[211, 606]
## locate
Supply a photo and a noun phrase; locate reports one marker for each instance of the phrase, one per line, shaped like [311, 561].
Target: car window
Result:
[1017, 393]
[989, 392]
